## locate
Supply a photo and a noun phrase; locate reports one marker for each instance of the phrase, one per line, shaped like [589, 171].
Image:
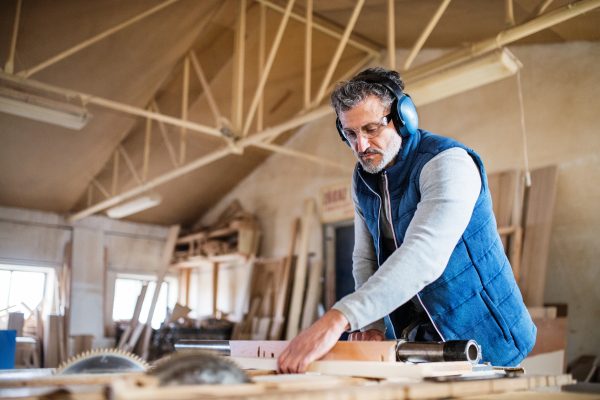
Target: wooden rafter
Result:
[204, 160]
[338, 52]
[263, 79]
[425, 34]
[322, 29]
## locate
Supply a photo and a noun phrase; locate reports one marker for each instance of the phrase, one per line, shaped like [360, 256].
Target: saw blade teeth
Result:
[95, 352]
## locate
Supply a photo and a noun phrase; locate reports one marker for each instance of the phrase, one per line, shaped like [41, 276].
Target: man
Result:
[427, 249]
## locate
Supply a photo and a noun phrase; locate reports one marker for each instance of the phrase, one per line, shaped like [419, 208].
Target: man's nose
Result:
[362, 143]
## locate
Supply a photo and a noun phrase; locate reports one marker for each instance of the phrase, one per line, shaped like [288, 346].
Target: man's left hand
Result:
[313, 343]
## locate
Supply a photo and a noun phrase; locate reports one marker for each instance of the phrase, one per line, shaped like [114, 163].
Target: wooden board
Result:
[300, 273]
[16, 320]
[551, 335]
[284, 287]
[165, 259]
[538, 229]
[352, 351]
[365, 369]
[313, 294]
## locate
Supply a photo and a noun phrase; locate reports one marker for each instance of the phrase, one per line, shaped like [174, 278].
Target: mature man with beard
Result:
[427, 249]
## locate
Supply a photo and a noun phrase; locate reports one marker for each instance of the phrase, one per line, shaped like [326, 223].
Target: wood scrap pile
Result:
[235, 232]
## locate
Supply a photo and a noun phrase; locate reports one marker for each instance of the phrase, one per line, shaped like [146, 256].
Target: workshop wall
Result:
[36, 238]
[560, 89]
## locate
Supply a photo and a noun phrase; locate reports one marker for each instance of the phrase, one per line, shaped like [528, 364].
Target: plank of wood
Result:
[51, 350]
[16, 320]
[64, 380]
[135, 319]
[543, 312]
[82, 343]
[261, 326]
[215, 287]
[135, 336]
[502, 186]
[282, 302]
[365, 369]
[351, 351]
[551, 335]
[300, 273]
[313, 294]
[538, 229]
[162, 270]
[179, 311]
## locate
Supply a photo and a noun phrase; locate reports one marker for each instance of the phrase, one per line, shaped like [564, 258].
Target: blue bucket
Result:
[8, 346]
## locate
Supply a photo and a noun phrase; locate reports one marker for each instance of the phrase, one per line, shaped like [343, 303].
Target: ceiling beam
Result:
[303, 156]
[129, 164]
[9, 67]
[86, 43]
[163, 132]
[308, 52]
[265, 74]
[539, 9]
[510, 13]
[321, 28]
[391, 40]
[262, 40]
[237, 106]
[202, 161]
[212, 103]
[425, 34]
[339, 51]
[508, 36]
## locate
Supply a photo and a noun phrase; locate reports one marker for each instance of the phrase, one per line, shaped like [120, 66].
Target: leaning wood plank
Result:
[313, 294]
[135, 319]
[165, 260]
[365, 369]
[300, 273]
[283, 293]
[351, 351]
[538, 229]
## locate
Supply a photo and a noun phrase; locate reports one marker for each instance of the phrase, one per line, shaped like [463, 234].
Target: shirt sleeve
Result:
[450, 184]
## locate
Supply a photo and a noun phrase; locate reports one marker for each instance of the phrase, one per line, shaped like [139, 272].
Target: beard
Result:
[387, 156]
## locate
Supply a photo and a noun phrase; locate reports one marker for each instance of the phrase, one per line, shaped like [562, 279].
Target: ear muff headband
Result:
[404, 112]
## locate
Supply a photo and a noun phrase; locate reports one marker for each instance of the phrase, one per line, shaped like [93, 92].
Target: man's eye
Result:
[371, 130]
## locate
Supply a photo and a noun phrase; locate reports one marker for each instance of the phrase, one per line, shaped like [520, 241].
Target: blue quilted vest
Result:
[476, 297]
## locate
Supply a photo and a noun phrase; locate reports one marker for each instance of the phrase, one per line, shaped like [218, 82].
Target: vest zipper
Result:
[378, 228]
[387, 190]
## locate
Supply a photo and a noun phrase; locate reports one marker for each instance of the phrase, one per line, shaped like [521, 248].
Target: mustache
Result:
[369, 151]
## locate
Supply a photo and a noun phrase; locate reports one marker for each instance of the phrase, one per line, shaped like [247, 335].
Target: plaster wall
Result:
[37, 238]
[562, 115]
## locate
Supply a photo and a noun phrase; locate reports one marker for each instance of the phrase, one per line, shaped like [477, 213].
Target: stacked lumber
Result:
[235, 232]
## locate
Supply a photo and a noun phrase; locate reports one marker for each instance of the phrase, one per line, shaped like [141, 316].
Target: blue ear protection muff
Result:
[404, 112]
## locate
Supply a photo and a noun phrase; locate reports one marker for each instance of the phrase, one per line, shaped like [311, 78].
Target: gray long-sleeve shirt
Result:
[450, 184]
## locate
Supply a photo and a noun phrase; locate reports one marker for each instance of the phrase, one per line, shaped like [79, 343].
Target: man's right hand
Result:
[371, 334]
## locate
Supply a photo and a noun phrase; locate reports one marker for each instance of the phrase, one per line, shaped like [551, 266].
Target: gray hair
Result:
[348, 94]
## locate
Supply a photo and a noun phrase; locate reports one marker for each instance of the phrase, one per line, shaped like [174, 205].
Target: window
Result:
[127, 290]
[24, 288]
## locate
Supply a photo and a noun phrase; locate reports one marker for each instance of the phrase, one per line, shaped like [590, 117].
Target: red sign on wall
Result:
[335, 203]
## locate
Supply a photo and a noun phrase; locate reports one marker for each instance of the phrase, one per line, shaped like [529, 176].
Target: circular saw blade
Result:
[102, 361]
[196, 367]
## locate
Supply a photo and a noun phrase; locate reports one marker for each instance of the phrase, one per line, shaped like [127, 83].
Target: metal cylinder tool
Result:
[222, 346]
[451, 350]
